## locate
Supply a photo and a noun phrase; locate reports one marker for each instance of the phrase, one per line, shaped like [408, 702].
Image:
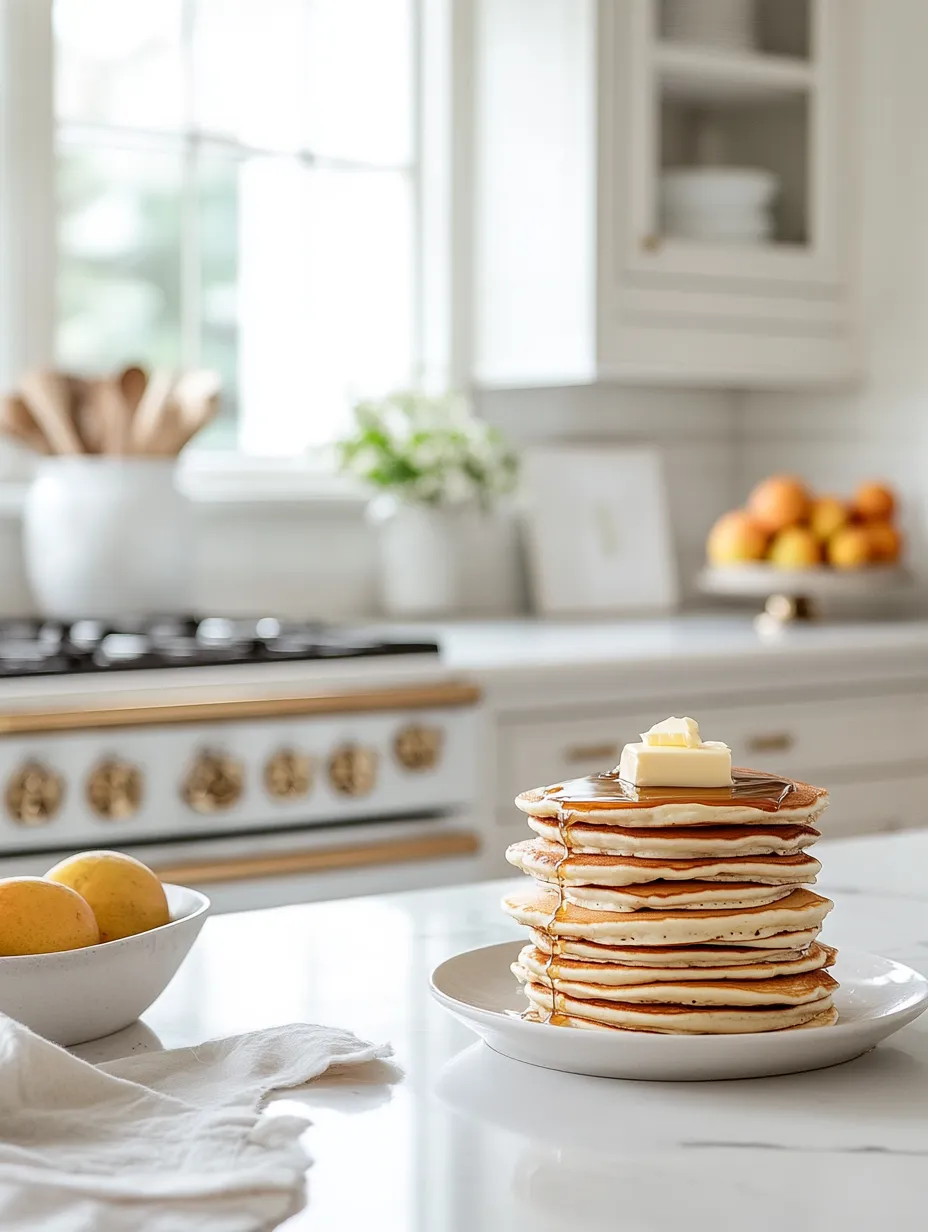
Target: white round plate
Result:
[877, 996]
[757, 581]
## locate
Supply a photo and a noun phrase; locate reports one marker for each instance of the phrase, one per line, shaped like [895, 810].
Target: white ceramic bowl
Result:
[697, 189]
[80, 995]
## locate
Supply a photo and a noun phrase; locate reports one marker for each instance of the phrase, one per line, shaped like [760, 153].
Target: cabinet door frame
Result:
[628, 36]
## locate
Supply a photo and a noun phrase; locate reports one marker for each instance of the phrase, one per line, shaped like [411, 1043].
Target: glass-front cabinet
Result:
[665, 191]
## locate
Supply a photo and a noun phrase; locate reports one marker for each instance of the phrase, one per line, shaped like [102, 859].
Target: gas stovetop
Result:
[54, 648]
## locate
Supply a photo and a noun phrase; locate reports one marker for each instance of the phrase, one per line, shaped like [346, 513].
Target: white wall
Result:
[881, 428]
[693, 431]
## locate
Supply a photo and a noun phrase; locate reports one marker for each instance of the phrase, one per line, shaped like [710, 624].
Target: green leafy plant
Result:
[428, 450]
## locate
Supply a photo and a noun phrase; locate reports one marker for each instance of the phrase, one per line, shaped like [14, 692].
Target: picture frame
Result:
[598, 530]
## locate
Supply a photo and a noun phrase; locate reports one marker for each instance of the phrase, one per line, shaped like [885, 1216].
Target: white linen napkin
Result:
[163, 1141]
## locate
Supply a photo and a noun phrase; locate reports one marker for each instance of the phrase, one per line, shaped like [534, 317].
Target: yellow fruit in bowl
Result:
[778, 502]
[850, 548]
[885, 542]
[125, 895]
[827, 514]
[40, 917]
[874, 502]
[795, 548]
[736, 537]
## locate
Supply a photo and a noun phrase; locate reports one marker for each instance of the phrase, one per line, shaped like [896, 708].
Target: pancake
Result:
[680, 1019]
[565, 970]
[682, 843]
[801, 807]
[777, 990]
[675, 895]
[548, 861]
[536, 906]
[781, 947]
[826, 1018]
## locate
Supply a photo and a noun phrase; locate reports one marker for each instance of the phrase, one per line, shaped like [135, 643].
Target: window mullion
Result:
[74, 133]
[27, 176]
[190, 248]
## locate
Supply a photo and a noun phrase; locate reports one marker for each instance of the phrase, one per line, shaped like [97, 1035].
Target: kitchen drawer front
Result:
[535, 754]
[793, 738]
[814, 736]
[878, 807]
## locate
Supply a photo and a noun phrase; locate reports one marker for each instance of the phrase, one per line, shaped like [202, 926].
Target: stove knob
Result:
[418, 747]
[353, 770]
[213, 783]
[287, 775]
[34, 795]
[114, 790]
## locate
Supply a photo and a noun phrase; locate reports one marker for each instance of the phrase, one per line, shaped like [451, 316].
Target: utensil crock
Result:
[107, 537]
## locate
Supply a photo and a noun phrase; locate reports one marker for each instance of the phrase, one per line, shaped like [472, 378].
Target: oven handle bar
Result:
[326, 860]
[217, 710]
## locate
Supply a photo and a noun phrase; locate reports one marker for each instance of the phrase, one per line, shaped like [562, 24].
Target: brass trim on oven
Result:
[404, 697]
[329, 859]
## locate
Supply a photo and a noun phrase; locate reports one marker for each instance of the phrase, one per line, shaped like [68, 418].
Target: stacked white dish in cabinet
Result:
[718, 204]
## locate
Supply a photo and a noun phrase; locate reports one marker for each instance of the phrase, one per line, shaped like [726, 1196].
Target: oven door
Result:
[264, 869]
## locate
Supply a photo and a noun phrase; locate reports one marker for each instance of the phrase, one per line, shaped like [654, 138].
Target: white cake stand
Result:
[797, 594]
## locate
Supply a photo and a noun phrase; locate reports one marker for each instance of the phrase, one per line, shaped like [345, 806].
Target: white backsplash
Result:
[692, 430]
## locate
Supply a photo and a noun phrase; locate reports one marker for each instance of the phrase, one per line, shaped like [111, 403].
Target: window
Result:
[237, 189]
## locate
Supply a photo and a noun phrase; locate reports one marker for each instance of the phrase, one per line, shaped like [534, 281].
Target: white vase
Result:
[108, 537]
[446, 562]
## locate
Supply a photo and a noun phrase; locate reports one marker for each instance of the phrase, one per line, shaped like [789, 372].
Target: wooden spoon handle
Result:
[145, 422]
[48, 401]
[113, 416]
[16, 421]
[132, 382]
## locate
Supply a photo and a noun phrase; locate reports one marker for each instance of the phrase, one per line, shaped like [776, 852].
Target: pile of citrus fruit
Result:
[786, 525]
[88, 898]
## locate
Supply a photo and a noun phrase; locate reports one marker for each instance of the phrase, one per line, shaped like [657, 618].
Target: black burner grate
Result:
[53, 648]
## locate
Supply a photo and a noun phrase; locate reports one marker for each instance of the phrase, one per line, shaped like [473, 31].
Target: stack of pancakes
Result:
[678, 918]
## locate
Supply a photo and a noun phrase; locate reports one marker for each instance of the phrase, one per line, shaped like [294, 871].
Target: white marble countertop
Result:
[468, 1140]
[501, 653]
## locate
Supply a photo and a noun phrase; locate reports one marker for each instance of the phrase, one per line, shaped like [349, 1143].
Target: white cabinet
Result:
[581, 107]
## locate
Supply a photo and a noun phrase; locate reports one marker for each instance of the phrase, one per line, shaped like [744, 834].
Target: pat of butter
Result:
[673, 733]
[665, 759]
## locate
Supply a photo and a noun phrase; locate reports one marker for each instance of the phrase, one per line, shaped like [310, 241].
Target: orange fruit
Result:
[39, 917]
[795, 548]
[778, 502]
[875, 502]
[826, 515]
[850, 548]
[885, 542]
[736, 537]
[125, 895]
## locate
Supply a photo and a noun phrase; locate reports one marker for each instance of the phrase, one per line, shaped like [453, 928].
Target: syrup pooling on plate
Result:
[760, 791]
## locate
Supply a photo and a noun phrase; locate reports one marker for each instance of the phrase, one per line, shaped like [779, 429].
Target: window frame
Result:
[441, 147]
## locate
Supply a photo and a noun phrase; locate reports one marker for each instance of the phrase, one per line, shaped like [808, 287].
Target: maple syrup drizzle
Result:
[760, 791]
[563, 828]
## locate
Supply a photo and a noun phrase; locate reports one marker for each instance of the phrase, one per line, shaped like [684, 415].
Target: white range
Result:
[262, 783]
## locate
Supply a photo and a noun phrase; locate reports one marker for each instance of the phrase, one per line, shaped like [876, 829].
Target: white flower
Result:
[432, 450]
